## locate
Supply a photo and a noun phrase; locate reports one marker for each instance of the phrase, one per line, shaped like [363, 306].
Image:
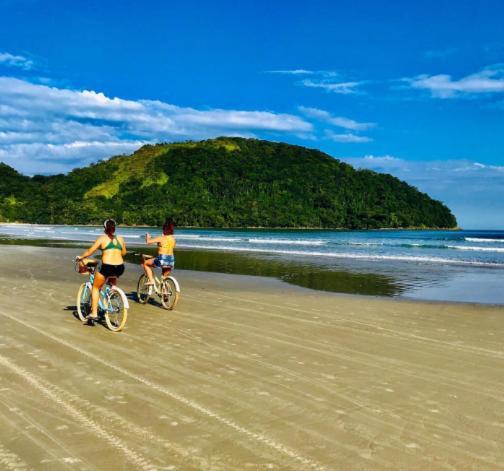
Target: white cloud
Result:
[11, 60]
[346, 138]
[39, 124]
[343, 88]
[292, 72]
[43, 158]
[327, 80]
[325, 74]
[471, 189]
[488, 80]
[339, 121]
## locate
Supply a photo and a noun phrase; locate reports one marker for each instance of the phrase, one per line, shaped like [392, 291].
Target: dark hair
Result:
[168, 227]
[110, 227]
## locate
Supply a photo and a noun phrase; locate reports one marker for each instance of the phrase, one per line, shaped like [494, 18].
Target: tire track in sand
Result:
[379, 330]
[10, 460]
[357, 404]
[113, 440]
[258, 437]
[434, 375]
[35, 441]
[117, 422]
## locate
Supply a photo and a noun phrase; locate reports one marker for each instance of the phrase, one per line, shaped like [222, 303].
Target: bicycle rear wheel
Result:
[116, 313]
[169, 294]
[143, 292]
[83, 301]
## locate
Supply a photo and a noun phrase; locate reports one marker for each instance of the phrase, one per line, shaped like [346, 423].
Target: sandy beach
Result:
[246, 373]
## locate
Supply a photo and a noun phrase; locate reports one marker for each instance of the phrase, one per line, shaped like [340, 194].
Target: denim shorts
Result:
[164, 261]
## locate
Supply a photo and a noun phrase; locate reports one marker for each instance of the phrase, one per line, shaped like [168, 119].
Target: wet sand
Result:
[246, 373]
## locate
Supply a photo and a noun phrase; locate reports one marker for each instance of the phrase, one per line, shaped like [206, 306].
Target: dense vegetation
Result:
[224, 182]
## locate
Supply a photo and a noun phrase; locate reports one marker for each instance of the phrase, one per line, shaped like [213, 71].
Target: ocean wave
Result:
[477, 249]
[364, 244]
[188, 236]
[86, 233]
[480, 239]
[207, 238]
[399, 258]
[406, 245]
[286, 241]
[36, 228]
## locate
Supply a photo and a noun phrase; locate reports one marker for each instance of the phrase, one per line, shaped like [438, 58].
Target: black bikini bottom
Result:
[111, 270]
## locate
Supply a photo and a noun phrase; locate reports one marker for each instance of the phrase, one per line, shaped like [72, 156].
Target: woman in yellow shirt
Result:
[165, 258]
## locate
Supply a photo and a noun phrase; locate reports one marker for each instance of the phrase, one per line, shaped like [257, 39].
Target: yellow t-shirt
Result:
[166, 246]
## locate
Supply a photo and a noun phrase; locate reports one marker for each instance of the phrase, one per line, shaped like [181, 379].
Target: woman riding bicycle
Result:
[165, 258]
[113, 249]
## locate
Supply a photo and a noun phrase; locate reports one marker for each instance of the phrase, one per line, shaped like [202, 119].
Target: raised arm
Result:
[92, 249]
[150, 240]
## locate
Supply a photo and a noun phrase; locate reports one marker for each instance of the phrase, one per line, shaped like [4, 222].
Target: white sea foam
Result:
[208, 239]
[364, 244]
[286, 241]
[44, 229]
[477, 249]
[479, 239]
[188, 236]
[220, 239]
[86, 233]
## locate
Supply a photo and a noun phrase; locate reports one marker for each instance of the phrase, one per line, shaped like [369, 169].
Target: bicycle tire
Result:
[116, 313]
[169, 294]
[83, 301]
[143, 292]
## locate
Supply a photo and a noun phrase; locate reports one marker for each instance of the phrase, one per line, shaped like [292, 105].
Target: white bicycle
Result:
[166, 288]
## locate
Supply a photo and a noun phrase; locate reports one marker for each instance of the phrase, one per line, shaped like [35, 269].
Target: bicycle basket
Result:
[86, 266]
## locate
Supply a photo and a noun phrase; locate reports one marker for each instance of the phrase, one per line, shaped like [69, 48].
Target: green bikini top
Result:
[112, 245]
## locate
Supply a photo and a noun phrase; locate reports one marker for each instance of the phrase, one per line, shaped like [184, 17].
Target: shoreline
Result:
[344, 282]
[246, 373]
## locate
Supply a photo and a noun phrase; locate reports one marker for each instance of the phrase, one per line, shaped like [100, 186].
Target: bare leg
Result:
[95, 293]
[166, 271]
[147, 266]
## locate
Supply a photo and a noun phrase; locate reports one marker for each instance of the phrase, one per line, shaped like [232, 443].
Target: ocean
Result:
[463, 266]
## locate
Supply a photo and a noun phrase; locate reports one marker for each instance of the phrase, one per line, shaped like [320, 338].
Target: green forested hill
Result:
[224, 182]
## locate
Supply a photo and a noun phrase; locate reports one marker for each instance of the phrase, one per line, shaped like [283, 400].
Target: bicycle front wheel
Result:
[83, 301]
[169, 294]
[116, 312]
[143, 292]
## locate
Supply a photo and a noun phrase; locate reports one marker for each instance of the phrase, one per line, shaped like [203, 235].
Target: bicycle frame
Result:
[104, 291]
[159, 281]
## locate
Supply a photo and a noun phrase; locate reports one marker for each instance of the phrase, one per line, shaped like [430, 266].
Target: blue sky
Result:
[412, 88]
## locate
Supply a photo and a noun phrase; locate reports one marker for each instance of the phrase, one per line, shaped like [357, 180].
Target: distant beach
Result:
[461, 266]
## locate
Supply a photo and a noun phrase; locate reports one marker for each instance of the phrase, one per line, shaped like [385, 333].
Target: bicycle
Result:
[167, 288]
[113, 304]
